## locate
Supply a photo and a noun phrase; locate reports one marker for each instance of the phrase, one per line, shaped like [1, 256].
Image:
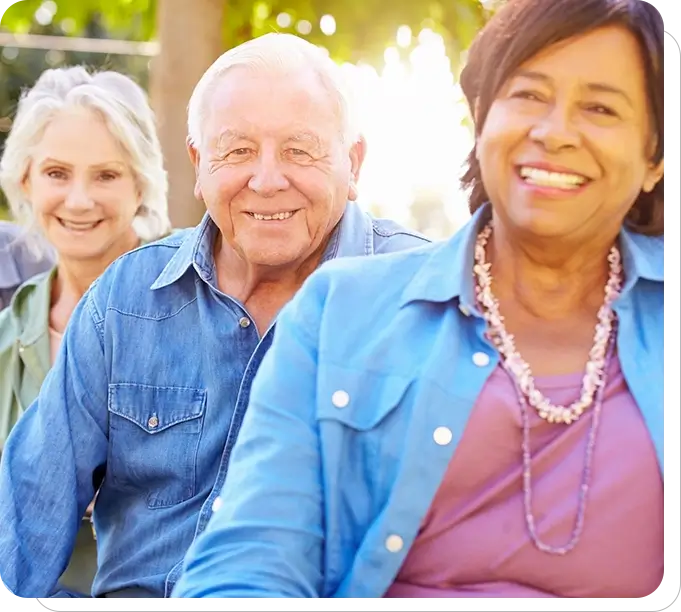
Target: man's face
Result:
[272, 167]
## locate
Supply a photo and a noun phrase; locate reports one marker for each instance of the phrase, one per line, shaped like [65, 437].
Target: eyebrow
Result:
[231, 135]
[308, 137]
[107, 164]
[595, 87]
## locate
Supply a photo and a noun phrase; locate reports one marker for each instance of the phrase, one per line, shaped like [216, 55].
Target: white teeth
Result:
[545, 178]
[78, 226]
[275, 217]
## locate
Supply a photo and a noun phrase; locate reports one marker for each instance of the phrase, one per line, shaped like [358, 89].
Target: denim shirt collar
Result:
[352, 236]
[448, 272]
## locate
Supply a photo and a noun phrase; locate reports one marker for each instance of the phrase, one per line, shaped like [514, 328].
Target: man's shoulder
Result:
[391, 237]
[129, 279]
[359, 280]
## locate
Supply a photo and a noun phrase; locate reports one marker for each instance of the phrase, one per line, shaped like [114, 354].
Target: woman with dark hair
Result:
[488, 421]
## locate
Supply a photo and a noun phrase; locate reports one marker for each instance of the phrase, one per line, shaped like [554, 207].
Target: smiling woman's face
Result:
[565, 148]
[81, 187]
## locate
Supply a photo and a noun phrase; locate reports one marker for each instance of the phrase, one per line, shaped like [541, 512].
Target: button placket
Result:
[394, 543]
[442, 436]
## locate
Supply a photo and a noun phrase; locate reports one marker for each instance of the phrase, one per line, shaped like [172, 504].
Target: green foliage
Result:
[363, 30]
[364, 27]
[129, 19]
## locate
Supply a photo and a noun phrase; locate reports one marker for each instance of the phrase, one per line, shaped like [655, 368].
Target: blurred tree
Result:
[192, 33]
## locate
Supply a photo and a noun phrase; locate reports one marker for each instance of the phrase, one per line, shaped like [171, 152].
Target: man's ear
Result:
[195, 159]
[357, 155]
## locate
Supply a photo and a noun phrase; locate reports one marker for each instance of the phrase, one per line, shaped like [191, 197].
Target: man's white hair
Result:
[123, 106]
[280, 53]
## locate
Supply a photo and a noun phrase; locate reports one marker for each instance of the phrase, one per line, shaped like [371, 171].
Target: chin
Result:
[542, 222]
[259, 257]
[81, 252]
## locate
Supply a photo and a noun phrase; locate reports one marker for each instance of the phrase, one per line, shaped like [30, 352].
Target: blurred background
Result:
[402, 57]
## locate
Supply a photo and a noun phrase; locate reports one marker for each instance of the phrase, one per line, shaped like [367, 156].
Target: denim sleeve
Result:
[46, 472]
[267, 538]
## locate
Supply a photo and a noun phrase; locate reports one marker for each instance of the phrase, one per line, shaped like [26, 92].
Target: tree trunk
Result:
[190, 37]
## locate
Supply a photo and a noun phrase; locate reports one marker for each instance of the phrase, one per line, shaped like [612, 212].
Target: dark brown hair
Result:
[521, 29]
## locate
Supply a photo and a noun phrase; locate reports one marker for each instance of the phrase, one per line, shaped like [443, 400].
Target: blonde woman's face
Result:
[81, 187]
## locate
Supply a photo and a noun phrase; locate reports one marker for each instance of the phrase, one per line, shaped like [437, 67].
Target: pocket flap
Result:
[156, 408]
[359, 399]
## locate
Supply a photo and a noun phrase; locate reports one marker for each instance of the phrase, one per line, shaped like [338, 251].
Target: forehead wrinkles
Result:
[311, 101]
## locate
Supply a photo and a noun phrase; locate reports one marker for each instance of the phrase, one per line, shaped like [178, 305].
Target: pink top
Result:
[55, 343]
[474, 541]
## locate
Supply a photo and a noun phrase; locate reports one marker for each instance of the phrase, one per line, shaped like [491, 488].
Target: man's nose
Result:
[268, 177]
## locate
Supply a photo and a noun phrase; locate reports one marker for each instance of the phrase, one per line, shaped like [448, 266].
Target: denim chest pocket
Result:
[359, 400]
[154, 435]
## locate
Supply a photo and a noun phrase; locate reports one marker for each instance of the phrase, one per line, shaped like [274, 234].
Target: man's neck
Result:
[264, 290]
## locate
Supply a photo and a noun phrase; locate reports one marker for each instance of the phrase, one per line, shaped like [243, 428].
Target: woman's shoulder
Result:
[355, 281]
[26, 309]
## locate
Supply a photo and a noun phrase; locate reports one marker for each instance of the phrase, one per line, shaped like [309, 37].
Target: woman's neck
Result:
[74, 277]
[549, 281]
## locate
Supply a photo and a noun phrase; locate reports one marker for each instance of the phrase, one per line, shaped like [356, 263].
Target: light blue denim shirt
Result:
[148, 391]
[336, 464]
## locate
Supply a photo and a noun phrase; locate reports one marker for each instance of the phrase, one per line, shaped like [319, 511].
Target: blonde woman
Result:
[82, 166]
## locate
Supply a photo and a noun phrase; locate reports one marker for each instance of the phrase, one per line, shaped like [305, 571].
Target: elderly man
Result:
[149, 390]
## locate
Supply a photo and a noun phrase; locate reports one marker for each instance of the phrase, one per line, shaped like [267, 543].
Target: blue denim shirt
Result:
[148, 391]
[336, 465]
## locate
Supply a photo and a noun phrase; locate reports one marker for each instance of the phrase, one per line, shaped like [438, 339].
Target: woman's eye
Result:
[601, 109]
[527, 95]
[56, 174]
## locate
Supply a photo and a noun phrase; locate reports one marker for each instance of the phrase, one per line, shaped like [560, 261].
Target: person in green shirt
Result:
[83, 166]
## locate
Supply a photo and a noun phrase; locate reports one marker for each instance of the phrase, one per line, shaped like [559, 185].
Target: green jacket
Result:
[24, 363]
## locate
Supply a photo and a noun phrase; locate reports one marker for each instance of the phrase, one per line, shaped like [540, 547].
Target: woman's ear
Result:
[653, 176]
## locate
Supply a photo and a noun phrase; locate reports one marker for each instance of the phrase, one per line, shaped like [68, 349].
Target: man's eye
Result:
[299, 153]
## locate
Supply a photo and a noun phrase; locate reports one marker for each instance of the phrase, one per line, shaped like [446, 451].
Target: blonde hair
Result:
[281, 53]
[123, 106]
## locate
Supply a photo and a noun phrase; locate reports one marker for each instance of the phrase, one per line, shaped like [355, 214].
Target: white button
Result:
[464, 310]
[244, 322]
[481, 359]
[153, 422]
[217, 504]
[340, 399]
[442, 436]
[394, 543]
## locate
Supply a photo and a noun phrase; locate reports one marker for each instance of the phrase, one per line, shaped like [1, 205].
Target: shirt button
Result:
[244, 322]
[464, 310]
[442, 436]
[481, 359]
[217, 504]
[394, 543]
[340, 399]
[153, 422]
